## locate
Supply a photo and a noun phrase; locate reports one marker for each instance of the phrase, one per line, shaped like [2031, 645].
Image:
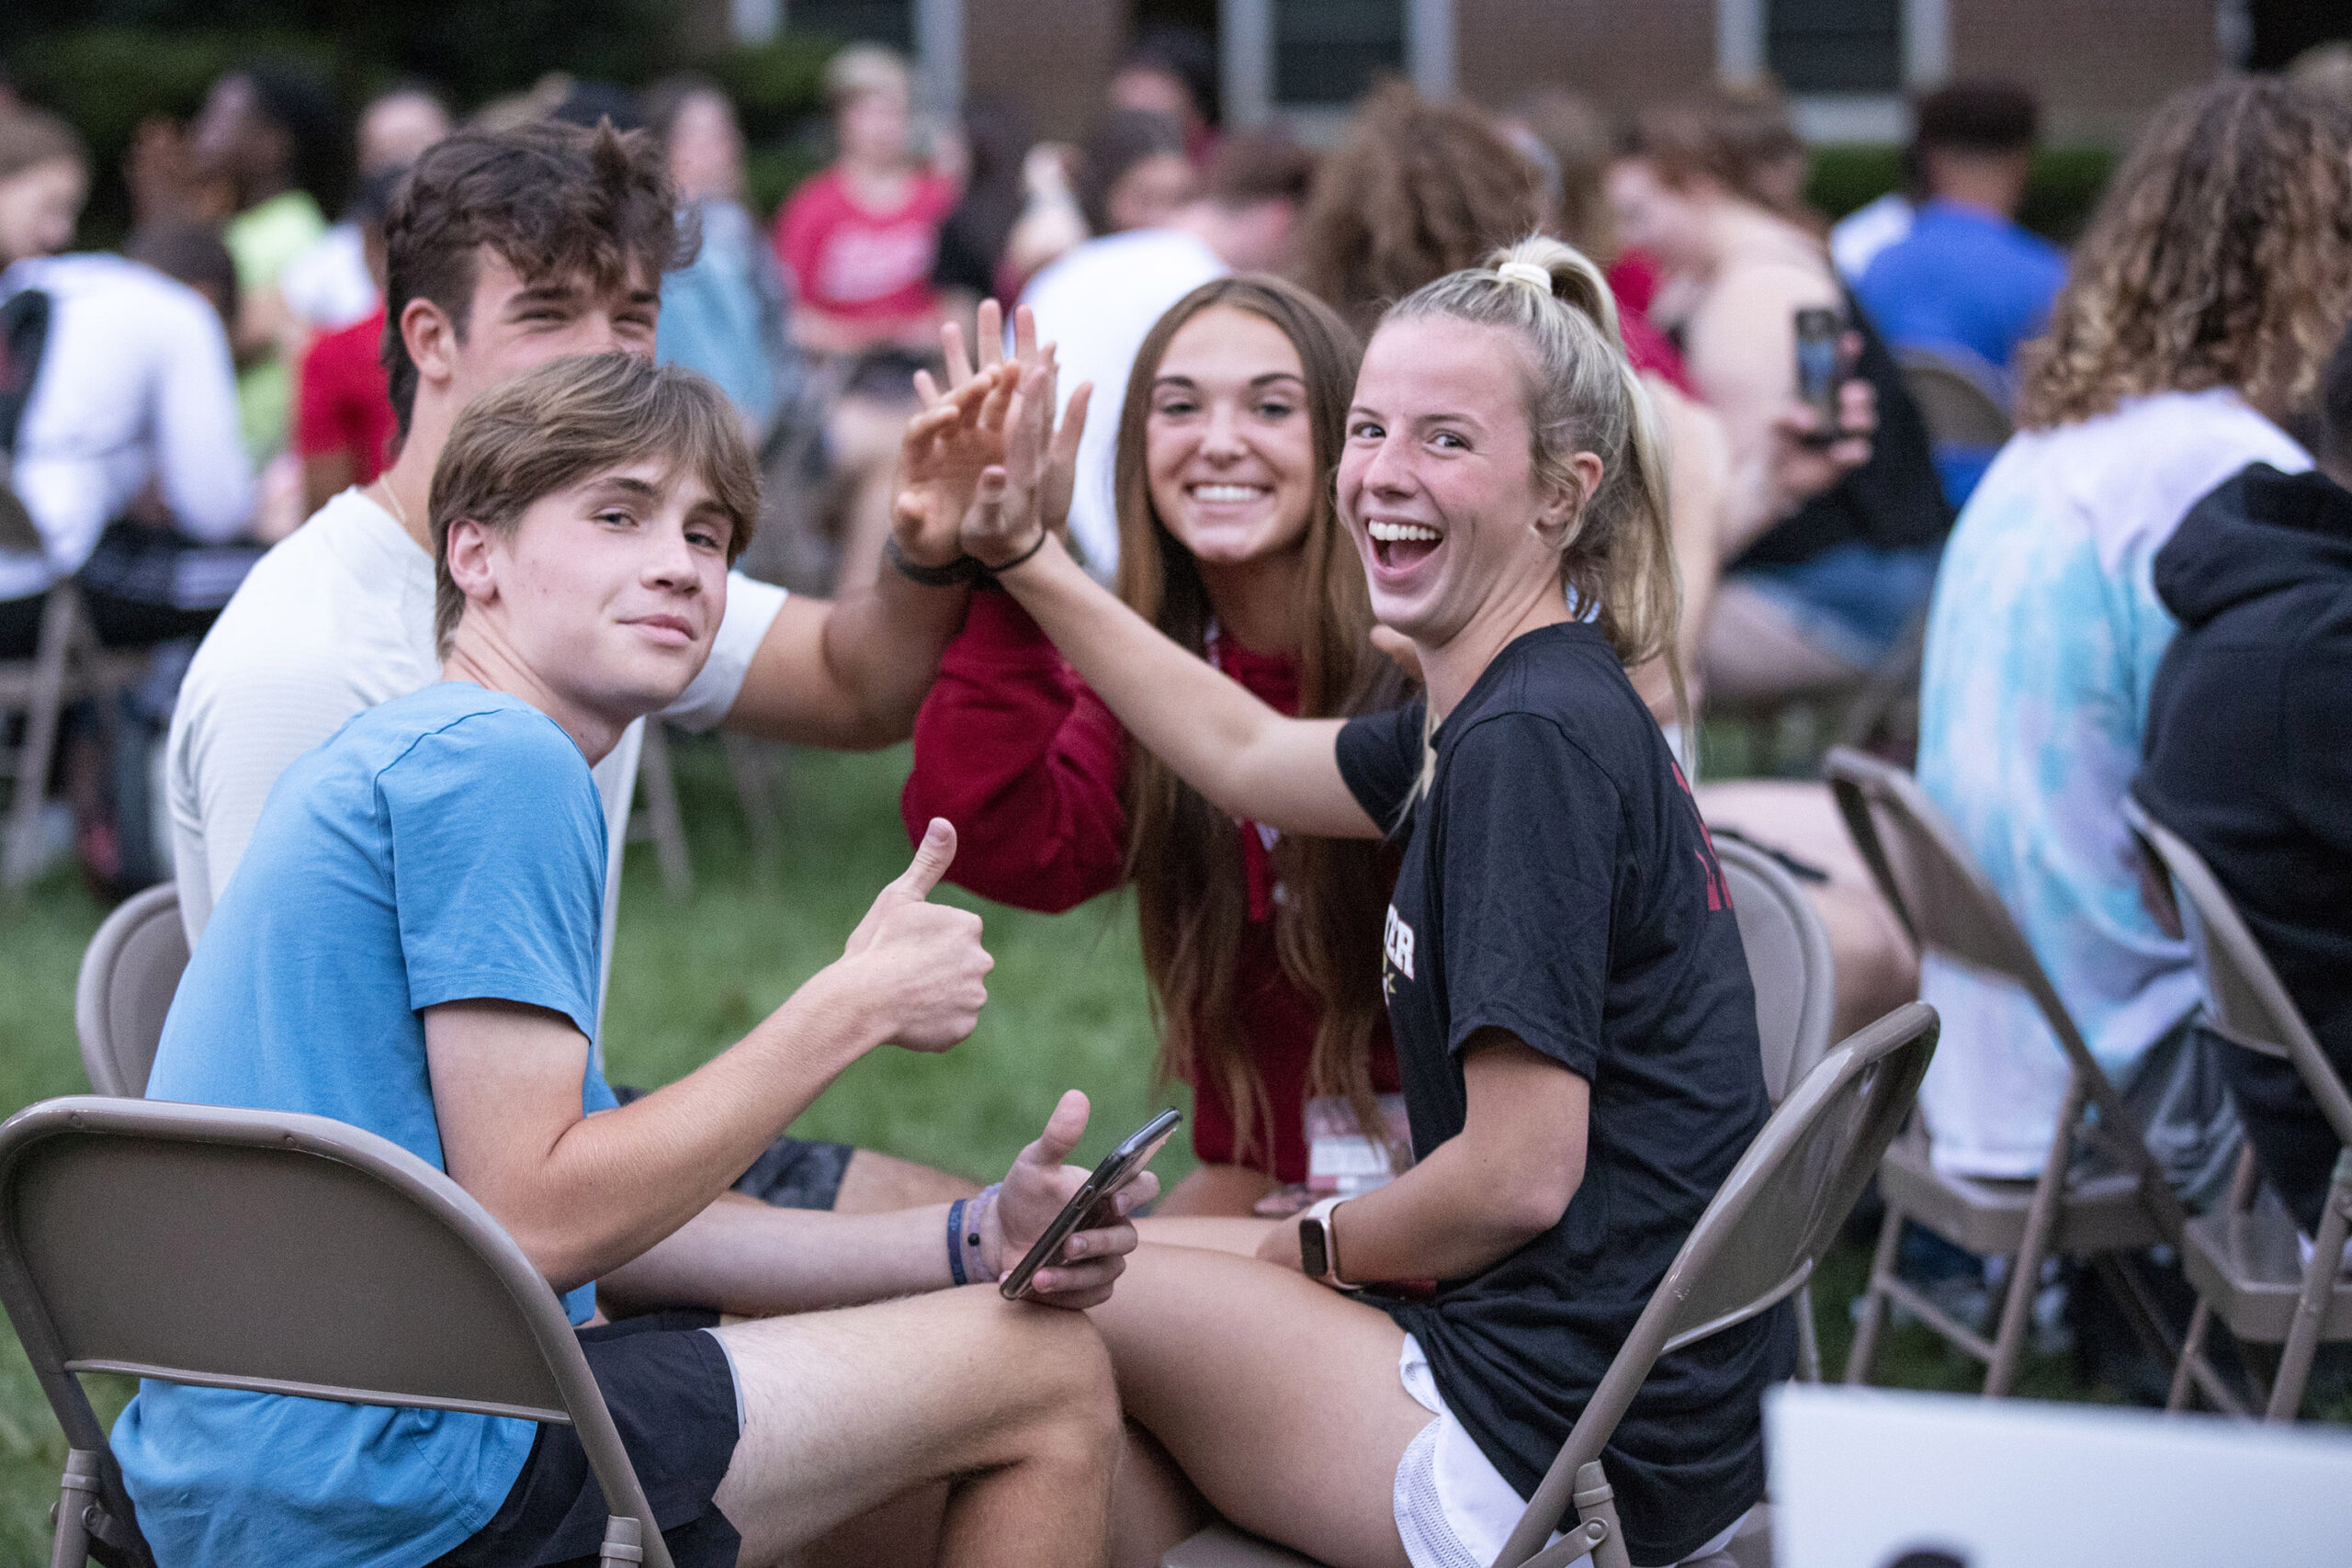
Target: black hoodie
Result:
[2249, 758]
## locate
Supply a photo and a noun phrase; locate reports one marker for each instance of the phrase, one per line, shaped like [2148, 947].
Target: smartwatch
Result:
[1319, 1247]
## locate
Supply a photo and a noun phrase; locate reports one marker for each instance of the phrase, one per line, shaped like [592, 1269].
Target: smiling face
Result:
[516, 324]
[1228, 441]
[1668, 222]
[1436, 486]
[607, 591]
[38, 208]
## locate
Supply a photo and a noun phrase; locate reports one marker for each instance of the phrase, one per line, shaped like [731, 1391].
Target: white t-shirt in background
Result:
[1098, 304]
[333, 621]
[135, 384]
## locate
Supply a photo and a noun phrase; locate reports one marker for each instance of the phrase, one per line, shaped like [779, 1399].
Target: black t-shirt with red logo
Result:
[1557, 883]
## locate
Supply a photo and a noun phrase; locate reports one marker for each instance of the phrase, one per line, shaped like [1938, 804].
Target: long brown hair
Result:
[1183, 853]
[2221, 257]
[1418, 188]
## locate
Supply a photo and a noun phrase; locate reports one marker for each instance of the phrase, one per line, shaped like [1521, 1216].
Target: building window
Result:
[1835, 46]
[889, 22]
[1326, 53]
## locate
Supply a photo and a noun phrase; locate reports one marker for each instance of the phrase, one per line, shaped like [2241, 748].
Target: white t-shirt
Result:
[135, 383]
[1098, 303]
[1856, 238]
[329, 285]
[333, 621]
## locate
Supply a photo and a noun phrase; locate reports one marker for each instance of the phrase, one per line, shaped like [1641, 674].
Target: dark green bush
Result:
[2059, 198]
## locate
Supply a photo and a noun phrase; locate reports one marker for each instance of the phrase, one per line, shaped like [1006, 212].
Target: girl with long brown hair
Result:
[1258, 946]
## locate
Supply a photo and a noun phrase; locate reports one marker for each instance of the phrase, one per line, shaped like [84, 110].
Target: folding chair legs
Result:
[2312, 1303]
[1883, 1259]
[1808, 1337]
[77, 1494]
[1600, 1535]
[21, 849]
[661, 822]
[2025, 1269]
[624, 1543]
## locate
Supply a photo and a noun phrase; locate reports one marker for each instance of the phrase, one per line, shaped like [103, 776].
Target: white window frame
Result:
[1841, 116]
[1246, 29]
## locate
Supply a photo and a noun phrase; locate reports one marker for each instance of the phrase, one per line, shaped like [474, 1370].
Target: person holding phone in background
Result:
[1813, 597]
[1574, 1021]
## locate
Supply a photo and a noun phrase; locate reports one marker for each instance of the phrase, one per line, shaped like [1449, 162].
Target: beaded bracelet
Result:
[966, 1262]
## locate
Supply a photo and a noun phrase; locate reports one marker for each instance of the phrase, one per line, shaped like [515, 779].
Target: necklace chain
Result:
[392, 496]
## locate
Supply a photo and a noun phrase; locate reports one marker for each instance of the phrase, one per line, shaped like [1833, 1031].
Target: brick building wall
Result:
[1620, 55]
[2101, 67]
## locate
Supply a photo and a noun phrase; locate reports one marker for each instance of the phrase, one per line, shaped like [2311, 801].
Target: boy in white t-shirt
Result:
[502, 252]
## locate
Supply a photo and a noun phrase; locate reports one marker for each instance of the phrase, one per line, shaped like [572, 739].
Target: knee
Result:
[1061, 1358]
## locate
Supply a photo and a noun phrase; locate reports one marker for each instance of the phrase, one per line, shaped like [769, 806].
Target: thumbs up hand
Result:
[921, 963]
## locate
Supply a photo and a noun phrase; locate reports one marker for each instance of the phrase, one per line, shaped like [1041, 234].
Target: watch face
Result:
[1314, 1257]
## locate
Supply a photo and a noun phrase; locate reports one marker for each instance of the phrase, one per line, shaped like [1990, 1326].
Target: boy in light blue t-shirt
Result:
[411, 946]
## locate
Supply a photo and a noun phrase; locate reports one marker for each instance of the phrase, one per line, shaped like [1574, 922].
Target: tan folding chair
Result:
[2246, 1263]
[282, 1254]
[1934, 886]
[1790, 964]
[67, 666]
[130, 973]
[1960, 398]
[1760, 1240]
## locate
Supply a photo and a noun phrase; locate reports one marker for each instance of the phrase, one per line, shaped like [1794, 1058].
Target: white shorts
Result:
[1453, 1509]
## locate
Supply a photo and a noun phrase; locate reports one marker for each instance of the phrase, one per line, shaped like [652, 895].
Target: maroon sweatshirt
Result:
[1021, 755]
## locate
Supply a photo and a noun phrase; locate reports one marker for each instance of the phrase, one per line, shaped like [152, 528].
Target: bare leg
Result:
[1279, 1399]
[876, 1183]
[1217, 1189]
[1878, 970]
[1217, 1233]
[1010, 1405]
[1750, 649]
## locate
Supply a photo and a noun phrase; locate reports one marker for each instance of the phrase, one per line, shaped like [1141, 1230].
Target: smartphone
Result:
[1819, 365]
[1119, 1167]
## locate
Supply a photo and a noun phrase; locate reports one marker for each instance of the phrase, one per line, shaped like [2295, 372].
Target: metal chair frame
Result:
[1935, 888]
[2250, 1006]
[129, 974]
[1793, 971]
[83, 1296]
[67, 666]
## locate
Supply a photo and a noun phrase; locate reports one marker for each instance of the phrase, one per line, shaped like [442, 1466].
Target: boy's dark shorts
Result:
[672, 1396]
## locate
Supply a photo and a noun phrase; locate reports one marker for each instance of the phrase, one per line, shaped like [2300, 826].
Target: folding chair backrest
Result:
[1932, 880]
[1766, 1230]
[129, 975]
[2245, 1000]
[1959, 397]
[1788, 959]
[282, 1253]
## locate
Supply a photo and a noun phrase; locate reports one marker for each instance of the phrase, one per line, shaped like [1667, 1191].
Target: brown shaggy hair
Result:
[1734, 136]
[564, 423]
[1183, 853]
[553, 199]
[2221, 256]
[1417, 190]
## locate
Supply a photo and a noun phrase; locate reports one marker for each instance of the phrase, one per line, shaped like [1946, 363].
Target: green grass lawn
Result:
[1068, 1010]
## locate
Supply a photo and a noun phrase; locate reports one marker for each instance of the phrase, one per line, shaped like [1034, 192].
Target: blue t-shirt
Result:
[1963, 279]
[443, 846]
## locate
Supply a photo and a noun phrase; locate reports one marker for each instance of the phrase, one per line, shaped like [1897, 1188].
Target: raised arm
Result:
[1244, 757]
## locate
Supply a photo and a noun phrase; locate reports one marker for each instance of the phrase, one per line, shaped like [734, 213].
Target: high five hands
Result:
[986, 457]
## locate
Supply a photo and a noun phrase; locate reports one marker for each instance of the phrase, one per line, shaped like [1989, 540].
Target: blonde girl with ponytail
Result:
[1384, 1381]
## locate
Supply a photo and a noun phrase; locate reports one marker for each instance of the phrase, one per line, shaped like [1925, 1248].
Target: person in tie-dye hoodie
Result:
[2204, 299]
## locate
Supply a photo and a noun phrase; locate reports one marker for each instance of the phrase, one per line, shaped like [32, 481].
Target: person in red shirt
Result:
[343, 407]
[859, 237]
[1263, 950]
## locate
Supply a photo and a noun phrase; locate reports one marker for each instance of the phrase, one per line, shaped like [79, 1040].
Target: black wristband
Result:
[1043, 534]
[963, 569]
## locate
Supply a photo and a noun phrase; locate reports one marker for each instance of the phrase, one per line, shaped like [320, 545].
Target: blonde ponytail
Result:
[1617, 554]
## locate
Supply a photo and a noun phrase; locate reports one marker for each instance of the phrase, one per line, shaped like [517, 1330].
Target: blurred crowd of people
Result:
[169, 412]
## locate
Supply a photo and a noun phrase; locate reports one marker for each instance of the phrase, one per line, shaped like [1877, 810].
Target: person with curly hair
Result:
[2205, 298]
